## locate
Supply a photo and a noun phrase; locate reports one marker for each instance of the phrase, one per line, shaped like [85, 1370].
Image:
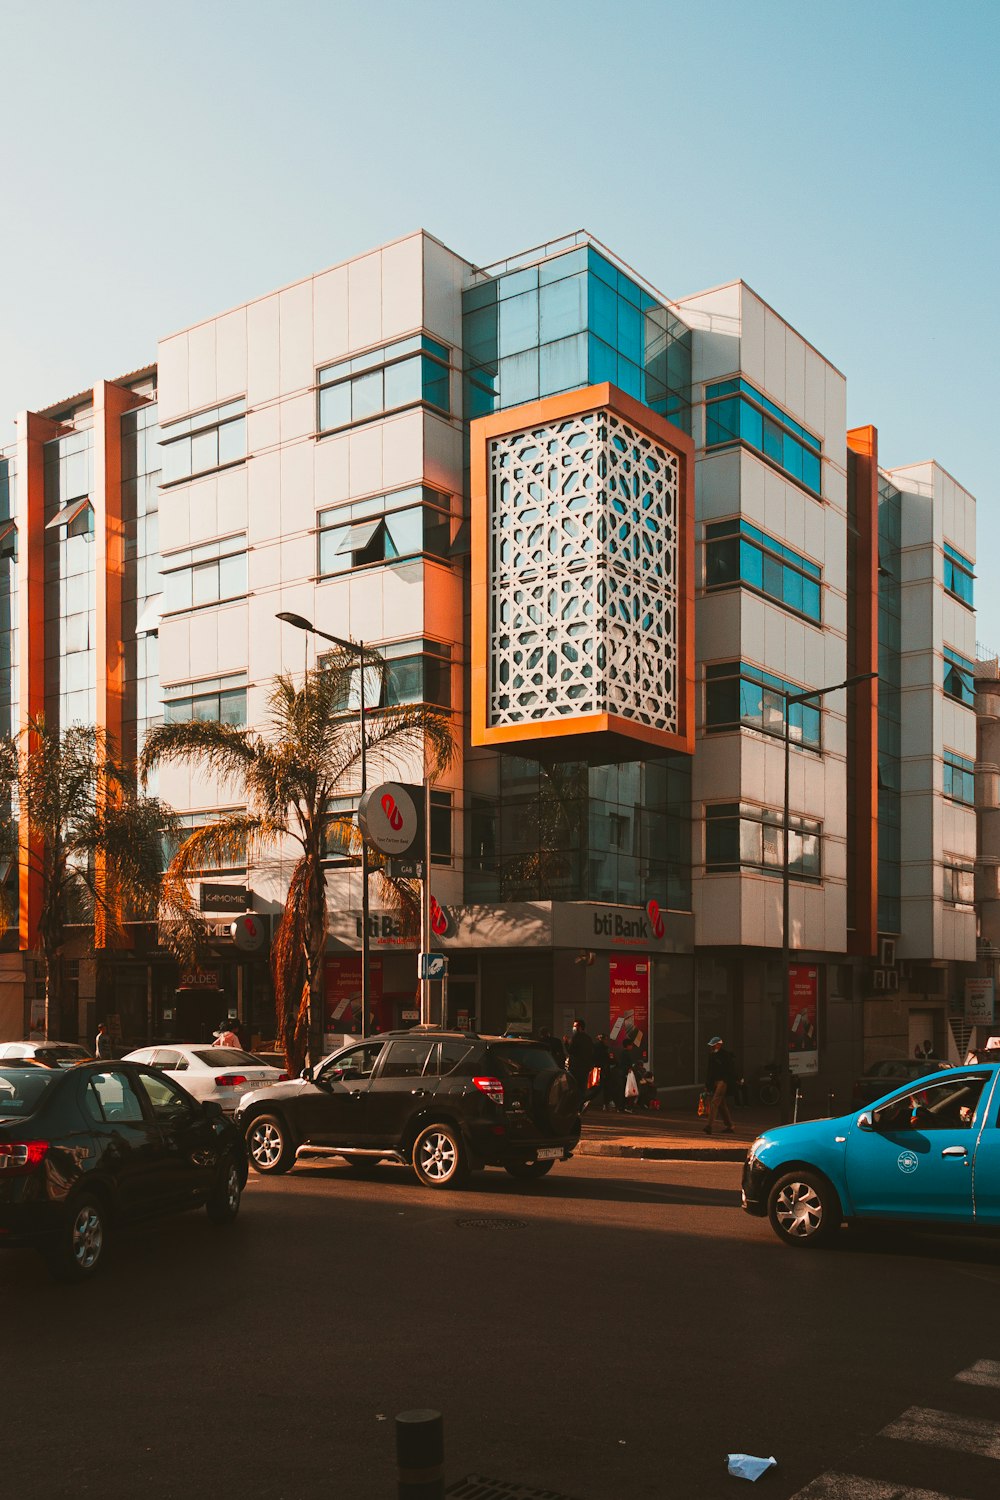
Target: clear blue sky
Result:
[163, 163]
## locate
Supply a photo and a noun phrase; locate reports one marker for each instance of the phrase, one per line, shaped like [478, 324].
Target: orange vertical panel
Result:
[863, 938]
[33, 431]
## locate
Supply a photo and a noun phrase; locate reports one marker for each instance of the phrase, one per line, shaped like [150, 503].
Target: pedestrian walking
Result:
[554, 1045]
[580, 1055]
[721, 1081]
[610, 1074]
[103, 1045]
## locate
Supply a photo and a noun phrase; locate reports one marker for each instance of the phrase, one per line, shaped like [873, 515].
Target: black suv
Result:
[444, 1102]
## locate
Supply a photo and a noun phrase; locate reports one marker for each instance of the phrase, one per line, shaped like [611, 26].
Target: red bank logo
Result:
[392, 812]
[439, 918]
[655, 919]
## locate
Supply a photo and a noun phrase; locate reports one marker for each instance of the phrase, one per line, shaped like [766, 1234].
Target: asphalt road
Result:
[609, 1333]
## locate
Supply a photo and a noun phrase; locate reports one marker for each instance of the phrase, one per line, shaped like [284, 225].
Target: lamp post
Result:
[785, 1080]
[357, 647]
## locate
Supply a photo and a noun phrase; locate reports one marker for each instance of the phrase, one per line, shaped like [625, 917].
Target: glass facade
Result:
[222, 700]
[737, 553]
[573, 832]
[209, 574]
[738, 694]
[572, 321]
[210, 440]
[959, 778]
[386, 528]
[736, 412]
[959, 678]
[889, 643]
[140, 501]
[8, 595]
[70, 583]
[739, 835]
[407, 373]
[958, 575]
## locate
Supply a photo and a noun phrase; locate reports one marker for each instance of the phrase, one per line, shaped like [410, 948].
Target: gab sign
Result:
[388, 818]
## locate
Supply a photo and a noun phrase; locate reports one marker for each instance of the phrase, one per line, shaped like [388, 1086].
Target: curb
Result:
[663, 1153]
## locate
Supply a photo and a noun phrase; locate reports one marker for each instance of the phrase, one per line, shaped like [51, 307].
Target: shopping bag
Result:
[593, 1078]
[702, 1103]
[631, 1087]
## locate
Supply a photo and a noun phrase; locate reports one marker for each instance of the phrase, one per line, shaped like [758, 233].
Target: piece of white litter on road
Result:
[745, 1466]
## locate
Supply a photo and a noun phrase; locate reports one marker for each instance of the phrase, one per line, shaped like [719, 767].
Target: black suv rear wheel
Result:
[439, 1158]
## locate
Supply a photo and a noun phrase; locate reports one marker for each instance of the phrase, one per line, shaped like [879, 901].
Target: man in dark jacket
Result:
[721, 1081]
[554, 1045]
[580, 1055]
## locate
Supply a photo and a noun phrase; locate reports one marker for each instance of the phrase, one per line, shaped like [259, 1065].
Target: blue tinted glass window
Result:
[335, 405]
[773, 441]
[792, 588]
[630, 340]
[630, 378]
[603, 361]
[722, 422]
[602, 268]
[751, 423]
[811, 599]
[563, 265]
[602, 311]
[764, 564]
[402, 382]
[435, 383]
[480, 335]
[562, 309]
[791, 460]
[811, 471]
[959, 678]
[563, 365]
[519, 378]
[518, 324]
[517, 282]
[752, 565]
[778, 436]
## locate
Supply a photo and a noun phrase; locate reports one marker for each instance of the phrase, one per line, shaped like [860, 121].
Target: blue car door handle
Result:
[954, 1151]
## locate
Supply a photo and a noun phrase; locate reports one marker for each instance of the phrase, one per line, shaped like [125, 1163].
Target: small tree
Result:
[90, 839]
[308, 754]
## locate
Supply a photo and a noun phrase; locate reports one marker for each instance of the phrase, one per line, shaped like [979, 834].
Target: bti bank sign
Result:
[581, 924]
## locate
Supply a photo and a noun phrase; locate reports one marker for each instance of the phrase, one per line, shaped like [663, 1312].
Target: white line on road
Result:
[920, 1424]
[983, 1372]
[854, 1487]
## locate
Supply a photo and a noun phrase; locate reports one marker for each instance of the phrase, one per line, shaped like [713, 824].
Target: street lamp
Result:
[357, 647]
[785, 1081]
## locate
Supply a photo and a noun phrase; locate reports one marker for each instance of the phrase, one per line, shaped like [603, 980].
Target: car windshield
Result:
[521, 1060]
[21, 1089]
[229, 1057]
[61, 1057]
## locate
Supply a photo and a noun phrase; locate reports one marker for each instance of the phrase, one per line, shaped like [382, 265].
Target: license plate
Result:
[549, 1153]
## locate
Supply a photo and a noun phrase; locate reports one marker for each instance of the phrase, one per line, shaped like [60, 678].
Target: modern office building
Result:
[613, 533]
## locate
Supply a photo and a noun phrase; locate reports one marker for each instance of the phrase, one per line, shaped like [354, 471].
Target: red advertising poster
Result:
[803, 1018]
[342, 994]
[628, 1001]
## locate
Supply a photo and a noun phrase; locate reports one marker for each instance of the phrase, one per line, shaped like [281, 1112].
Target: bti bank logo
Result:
[629, 929]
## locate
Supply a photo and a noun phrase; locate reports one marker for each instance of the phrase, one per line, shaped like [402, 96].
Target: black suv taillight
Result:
[22, 1156]
[491, 1087]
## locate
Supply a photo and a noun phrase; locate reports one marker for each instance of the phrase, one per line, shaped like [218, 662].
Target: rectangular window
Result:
[222, 700]
[737, 693]
[959, 678]
[959, 882]
[958, 575]
[736, 412]
[207, 574]
[210, 440]
[418, 524]
[959, 778]
[738, 553]
[189, 822]
[407, 373]
[742, 836]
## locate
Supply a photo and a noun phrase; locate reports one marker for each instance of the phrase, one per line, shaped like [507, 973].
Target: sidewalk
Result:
[671, 1134]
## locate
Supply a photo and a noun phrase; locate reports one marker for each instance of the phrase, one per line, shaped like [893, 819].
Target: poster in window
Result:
[803, 1019]
[628, 1001]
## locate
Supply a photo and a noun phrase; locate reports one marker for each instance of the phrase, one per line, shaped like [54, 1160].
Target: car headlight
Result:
[755, 1150]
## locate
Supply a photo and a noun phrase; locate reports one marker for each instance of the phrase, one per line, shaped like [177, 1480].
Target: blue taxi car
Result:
[928, 1154]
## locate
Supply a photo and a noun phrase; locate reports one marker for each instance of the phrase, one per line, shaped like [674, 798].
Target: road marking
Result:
[854, 1487]
[983, 1372]
[920, 1424]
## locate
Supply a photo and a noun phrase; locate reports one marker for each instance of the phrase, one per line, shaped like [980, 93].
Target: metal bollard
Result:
[798, 1101]
[831, 1100]
[420, 1455]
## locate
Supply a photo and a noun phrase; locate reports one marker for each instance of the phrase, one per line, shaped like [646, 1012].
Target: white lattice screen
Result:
[583, 563]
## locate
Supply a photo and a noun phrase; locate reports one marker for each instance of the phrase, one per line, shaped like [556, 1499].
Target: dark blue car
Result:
[928, 1154]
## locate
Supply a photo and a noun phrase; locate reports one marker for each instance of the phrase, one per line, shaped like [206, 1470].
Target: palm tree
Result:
[308, 754]
[90, 839]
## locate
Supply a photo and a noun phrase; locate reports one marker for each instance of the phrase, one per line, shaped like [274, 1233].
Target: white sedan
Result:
[223, 1074]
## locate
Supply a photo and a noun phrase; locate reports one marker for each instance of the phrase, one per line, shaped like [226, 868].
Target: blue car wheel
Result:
[803, 1209]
